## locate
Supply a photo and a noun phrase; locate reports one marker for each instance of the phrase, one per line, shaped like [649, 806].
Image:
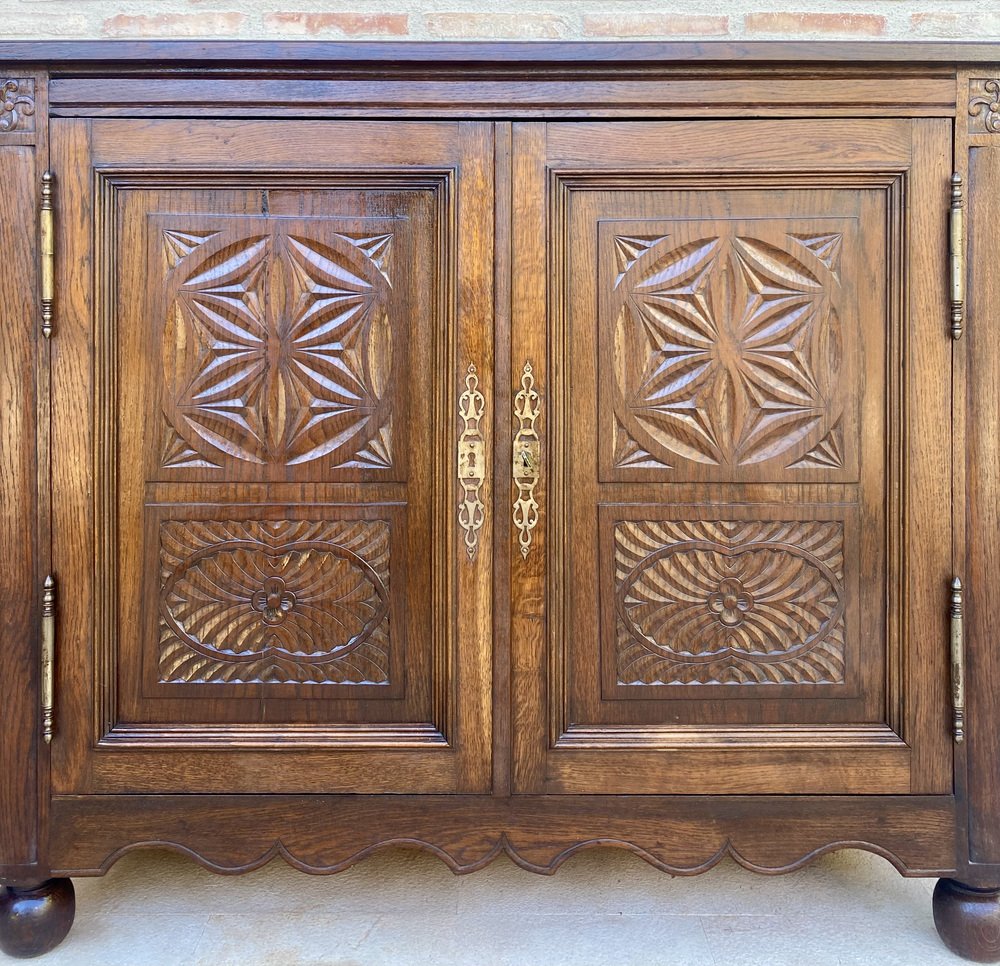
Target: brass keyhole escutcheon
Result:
[526, 460]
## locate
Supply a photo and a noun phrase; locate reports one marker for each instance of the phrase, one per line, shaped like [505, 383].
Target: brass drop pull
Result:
[471, 461]
[527, 458]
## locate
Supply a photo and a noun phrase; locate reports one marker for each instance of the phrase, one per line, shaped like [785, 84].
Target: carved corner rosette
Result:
[984, 105]
[17, 104]
[471, 461]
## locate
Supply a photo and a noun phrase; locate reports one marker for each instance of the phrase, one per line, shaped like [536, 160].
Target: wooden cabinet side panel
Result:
[18, 479]
[983, 510]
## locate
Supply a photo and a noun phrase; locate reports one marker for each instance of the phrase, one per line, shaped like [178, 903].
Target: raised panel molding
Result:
[274, 602]
[727, 347]
[729, 602]
[277, 344]
[290, 315]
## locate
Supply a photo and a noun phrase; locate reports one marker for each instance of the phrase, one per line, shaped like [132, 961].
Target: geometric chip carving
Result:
[628, 248]
[175, 452]
[303, 602]
[378, 453]
[825, 247]
[277, 347]
[177, 245]
[729, 602]
[828, 453]
[629, 453]
[378, 248]
[728, 347]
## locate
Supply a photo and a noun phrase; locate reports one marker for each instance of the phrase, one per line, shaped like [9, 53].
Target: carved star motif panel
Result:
[280, 340]
[730, 345]
[300, 601]
[729, 602]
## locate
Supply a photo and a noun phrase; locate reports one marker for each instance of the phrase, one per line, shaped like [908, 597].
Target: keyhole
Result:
[525, 459]
[471, 470]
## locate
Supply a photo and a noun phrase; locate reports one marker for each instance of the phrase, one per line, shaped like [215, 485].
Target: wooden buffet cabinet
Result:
[499, 449]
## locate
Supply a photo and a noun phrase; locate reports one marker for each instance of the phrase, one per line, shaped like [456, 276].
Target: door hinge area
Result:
[955, 612]
[48, 657]
[47, 252]
[957, 257]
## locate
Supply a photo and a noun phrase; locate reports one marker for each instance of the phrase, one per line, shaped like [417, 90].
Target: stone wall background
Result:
[976, 20]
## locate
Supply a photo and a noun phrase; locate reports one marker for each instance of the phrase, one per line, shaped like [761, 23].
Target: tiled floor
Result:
[602, 907]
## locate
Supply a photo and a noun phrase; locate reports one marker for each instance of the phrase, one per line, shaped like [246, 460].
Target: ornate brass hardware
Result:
[48, 657]
[957, 242]
[471, 462]
[47, 250]
[957, 660]
[526, 458]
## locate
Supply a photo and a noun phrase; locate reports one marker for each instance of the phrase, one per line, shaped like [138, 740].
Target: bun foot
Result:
[35, 921]
[968, 920]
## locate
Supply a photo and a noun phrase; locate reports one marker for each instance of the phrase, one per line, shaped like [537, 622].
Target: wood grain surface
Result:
[298, 289]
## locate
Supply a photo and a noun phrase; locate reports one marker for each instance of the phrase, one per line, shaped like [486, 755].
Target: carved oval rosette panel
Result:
[277, 347]
[729, 602]
[286, 602]
[728, 350]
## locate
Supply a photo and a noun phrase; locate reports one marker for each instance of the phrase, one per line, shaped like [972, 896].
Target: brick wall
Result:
[503, 19]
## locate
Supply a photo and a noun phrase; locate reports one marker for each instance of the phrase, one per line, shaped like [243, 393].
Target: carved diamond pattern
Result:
[729, 602]
[727, 351]
[251, 602]
[277, 349]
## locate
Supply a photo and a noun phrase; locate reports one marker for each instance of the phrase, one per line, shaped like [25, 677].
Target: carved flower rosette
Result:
[984, 105]
[17, 103]
[729, 602]
[288, 602]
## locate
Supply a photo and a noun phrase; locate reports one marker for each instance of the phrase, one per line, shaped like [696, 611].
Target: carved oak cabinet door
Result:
[746, 387]
[270, 591]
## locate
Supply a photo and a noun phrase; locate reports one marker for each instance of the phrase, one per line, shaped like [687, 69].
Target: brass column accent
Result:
[526, 458]
[471, 461]
[957, 660]
[48, 657]
[47, 251]
[957, 243]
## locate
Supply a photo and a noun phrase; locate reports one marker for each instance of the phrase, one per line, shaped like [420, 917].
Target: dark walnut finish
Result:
[499, 449]
[34, 921]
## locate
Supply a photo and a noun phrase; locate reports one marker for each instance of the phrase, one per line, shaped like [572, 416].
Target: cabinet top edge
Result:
[151, 53]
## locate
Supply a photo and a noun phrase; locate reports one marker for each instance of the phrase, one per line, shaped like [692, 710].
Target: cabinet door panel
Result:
[746, 365]
[274, 341]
